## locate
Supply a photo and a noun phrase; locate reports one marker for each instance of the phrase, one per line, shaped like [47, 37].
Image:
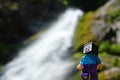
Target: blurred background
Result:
[39, 34]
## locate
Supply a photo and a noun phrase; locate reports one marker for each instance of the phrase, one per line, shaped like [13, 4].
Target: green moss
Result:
[82, 32]
[65, 2]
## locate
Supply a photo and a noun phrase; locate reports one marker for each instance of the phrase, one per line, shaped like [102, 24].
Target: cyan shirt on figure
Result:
[90, 59]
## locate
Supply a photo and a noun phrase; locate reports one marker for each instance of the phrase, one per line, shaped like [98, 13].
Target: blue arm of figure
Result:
[98, 60]
[81, 61]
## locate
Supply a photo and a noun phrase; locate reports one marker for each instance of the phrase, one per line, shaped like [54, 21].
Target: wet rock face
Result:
[116, 27]
[99, 29]
[106, 22]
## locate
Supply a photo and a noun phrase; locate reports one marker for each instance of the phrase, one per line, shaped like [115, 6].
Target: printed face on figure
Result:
[87, 48]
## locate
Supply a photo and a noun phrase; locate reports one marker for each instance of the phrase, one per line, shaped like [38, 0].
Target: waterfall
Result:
[46, 58]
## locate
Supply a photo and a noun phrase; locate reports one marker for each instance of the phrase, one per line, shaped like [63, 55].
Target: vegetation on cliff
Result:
[100, 27]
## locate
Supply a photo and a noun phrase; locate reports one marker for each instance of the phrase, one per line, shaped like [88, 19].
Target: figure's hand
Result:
[99, 66]
[79, 67]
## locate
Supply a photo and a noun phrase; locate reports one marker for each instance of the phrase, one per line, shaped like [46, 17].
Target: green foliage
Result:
[108, 51]
[104, 46]
[113, 49]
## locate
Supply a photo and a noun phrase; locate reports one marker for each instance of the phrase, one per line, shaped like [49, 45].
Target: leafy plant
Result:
[109, 48]
[115, 49]
[104, 46]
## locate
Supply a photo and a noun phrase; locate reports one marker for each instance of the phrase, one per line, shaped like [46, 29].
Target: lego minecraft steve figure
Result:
[89, 62]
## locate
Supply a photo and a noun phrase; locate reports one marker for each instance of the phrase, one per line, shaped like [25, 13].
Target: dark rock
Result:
[86, 5]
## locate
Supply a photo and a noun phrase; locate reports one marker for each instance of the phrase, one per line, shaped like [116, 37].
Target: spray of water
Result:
[45, 59]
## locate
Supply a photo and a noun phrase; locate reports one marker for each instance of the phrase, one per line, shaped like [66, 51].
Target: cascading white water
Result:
[45, 59]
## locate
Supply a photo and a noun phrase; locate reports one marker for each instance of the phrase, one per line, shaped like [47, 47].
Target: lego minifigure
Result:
[89, 62]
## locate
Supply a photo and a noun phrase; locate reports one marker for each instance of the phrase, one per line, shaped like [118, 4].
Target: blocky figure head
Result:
[90, 48]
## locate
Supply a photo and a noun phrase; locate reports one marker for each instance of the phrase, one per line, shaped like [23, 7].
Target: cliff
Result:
[101, 26]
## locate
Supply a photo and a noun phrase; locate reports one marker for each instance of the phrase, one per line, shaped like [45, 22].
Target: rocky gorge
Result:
[100, 24]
